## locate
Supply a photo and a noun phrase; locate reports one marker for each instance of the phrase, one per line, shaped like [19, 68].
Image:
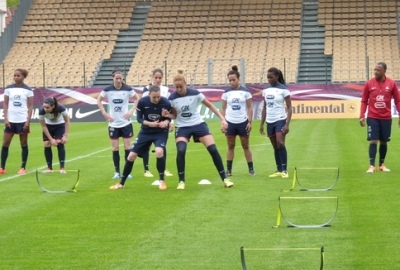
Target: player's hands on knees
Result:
[53, 142]
[64, 140]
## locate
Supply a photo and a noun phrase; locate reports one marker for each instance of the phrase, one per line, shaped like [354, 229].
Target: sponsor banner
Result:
[326, 109]
[77, 113]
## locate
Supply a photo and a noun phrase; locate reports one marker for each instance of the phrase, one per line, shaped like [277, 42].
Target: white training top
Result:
[118, 100]
[18, 102]
[236, 109]
[274, 97]
[49, 118]
[186, 107]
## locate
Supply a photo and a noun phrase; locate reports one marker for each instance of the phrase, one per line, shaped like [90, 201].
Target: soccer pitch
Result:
[203, 226]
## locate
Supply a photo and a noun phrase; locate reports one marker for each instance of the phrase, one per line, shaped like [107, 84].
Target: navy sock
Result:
[4, 156]
[382, 153]
[61, 154]
[180, 159]
[145, 157]
[250, 165]
[229, 165]
[127, 171]
[24, 156]
[372, 153]
[115, 155]
[216, 157]
[283, 157]
[48, 154]
[161, 167]
[278, 160]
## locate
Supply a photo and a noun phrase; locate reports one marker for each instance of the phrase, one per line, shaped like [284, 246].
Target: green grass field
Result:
[203, 226]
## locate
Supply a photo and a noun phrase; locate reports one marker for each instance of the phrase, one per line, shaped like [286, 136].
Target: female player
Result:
[119, 116]
[237, 109]
[189, 123]
[156, 79]
[54, 119]
[17, 109]
[276, 95]
[154, 130]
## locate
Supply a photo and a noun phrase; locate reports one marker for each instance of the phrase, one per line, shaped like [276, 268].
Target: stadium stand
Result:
[360, 34]
[64, 41]
[189, 33]
[68, 39]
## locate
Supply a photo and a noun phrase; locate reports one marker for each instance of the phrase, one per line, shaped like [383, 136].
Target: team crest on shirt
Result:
[186, 111]
[235, 100]
[236, 106]
[387, 89]
[380, 102]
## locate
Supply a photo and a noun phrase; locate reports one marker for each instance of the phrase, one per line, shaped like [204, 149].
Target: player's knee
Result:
[46, 144]
[132, 156]
[245, 146]
[231, 146]
[212, 149]
[159, 152]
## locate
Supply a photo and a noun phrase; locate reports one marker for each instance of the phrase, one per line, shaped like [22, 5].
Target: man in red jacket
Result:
[377, 96]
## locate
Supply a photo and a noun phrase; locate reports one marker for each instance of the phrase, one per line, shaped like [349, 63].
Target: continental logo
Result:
[303, 109]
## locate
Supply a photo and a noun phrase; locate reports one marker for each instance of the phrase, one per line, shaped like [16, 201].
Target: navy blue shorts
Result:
[16, 128]
[56, 131]
[237, 129]
[196, 131]
[379, 129]
[143, 142]
[124, 132]
[275, 127]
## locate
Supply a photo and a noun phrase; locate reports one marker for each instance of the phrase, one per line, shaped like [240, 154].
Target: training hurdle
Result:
[296, 179]
[243, 249]
[292, 224]
[48, 190]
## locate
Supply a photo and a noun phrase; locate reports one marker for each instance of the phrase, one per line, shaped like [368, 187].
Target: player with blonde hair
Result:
[189, 123]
